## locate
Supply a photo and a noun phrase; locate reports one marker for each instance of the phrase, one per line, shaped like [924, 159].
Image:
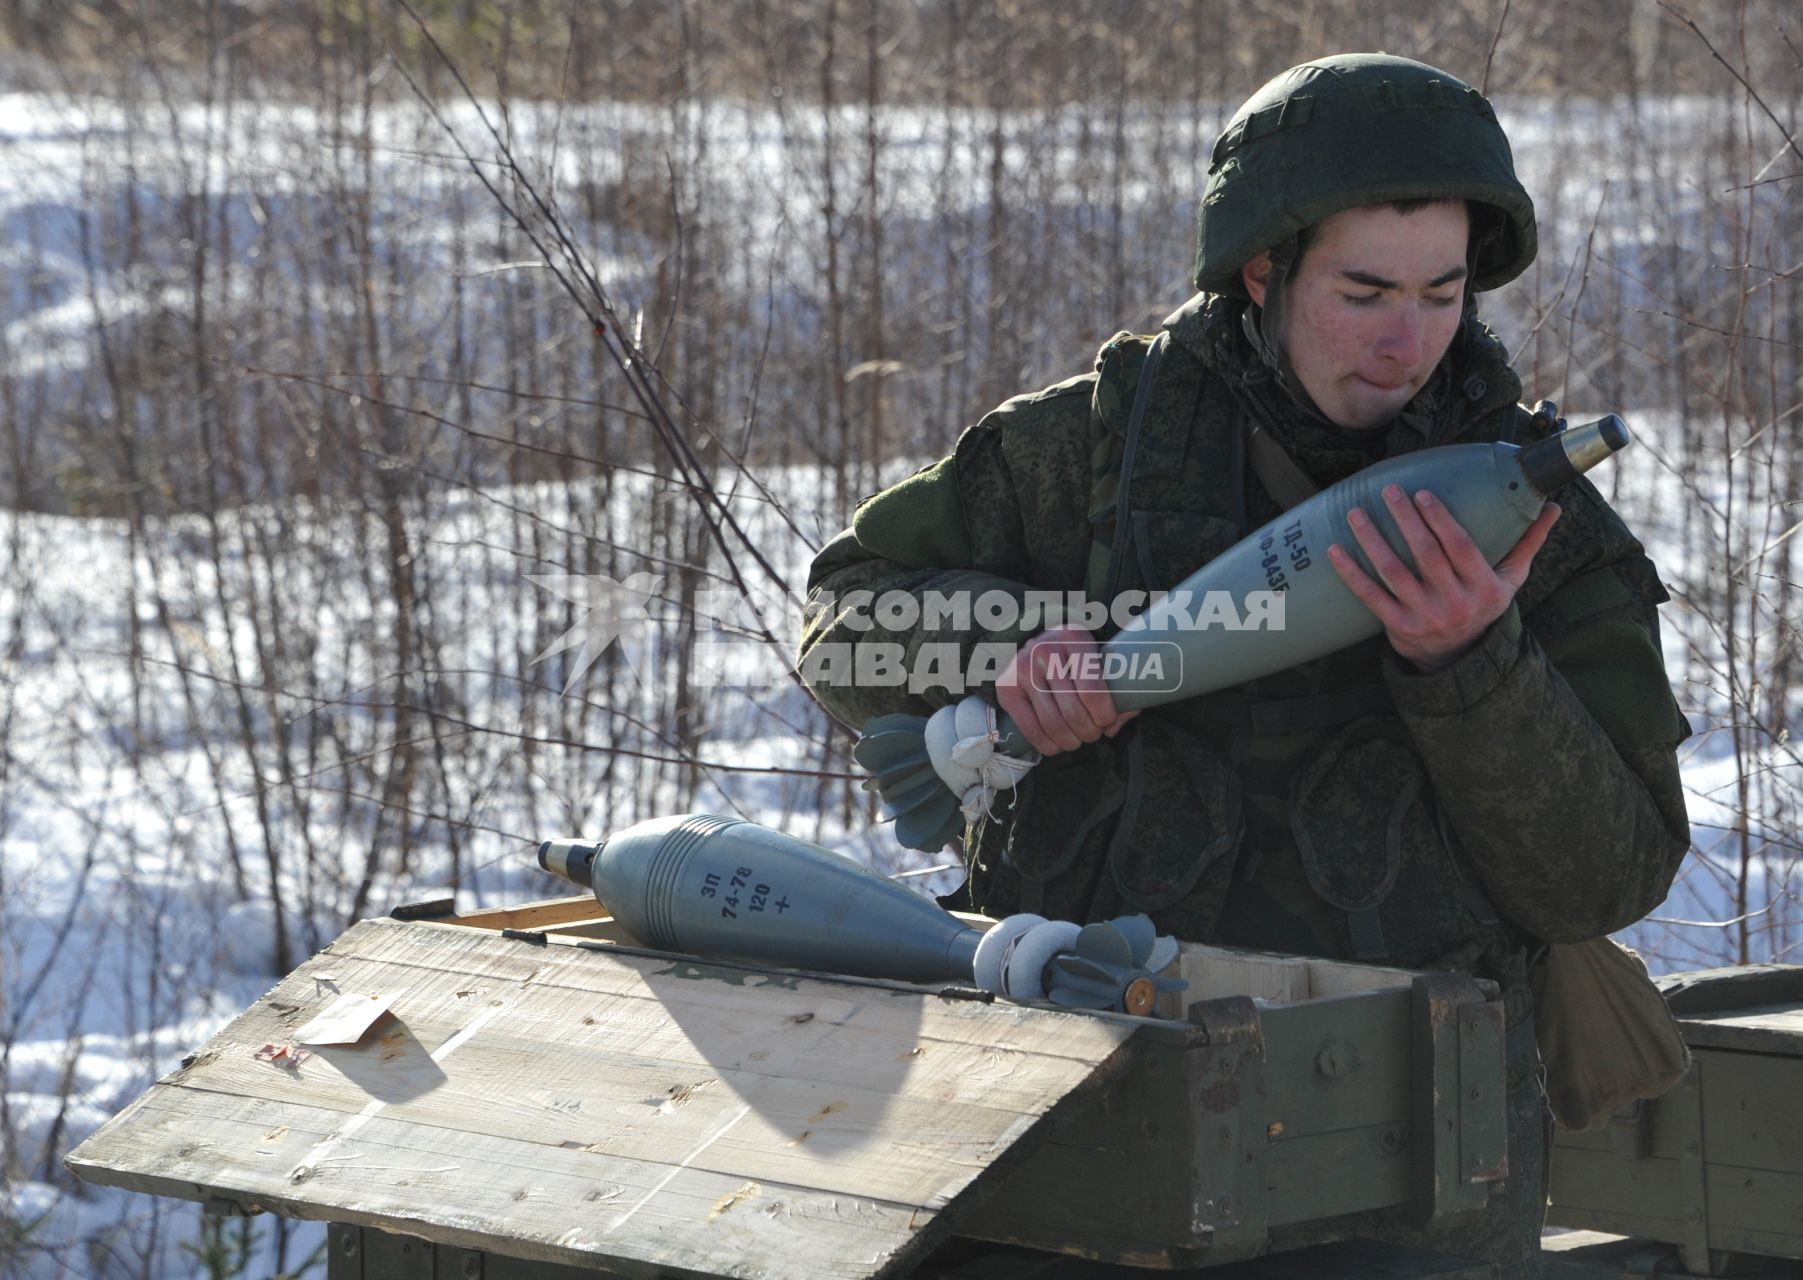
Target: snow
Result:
[126, 940]
[125, 946]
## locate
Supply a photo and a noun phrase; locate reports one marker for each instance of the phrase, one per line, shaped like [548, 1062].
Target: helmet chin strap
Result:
[1263, 327]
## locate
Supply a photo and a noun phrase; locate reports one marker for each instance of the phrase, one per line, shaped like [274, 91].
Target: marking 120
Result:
[741, 889]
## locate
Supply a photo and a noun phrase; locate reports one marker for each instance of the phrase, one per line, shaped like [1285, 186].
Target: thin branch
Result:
[537, 739]
[1783, 132]
[598, 309]
[1490, 53]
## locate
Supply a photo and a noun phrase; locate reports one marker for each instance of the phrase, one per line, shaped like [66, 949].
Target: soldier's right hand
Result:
[1057, 702]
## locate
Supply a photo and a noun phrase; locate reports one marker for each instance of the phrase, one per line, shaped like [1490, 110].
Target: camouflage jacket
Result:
[1351, 807]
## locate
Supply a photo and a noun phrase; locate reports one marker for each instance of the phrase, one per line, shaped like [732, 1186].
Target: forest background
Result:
[293, 414]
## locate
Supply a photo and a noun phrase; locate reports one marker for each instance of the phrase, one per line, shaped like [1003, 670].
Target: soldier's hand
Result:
[1433, 615]
[1045, 691]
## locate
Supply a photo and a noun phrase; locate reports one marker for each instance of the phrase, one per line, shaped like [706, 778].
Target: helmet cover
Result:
[1352, 130]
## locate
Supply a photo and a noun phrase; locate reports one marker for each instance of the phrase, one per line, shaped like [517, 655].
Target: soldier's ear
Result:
[1255, 275]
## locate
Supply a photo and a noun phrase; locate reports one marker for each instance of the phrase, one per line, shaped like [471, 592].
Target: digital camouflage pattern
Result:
[1543, 756]
[1350, 807]
[1351, 130]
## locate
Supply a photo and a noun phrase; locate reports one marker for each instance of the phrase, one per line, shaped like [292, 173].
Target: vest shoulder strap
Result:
[1282, 476]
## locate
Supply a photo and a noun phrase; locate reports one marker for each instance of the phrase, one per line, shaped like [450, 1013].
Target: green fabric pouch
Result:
[1180, 817]
[1606, 1034]
[1352, 848]
[1374, 844]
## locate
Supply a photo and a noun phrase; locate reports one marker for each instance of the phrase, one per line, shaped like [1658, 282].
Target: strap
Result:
[1280, 474]
[1123, 506]
[1136, 793]
[1367, 935]
[1362, 920]
[1519, 1042]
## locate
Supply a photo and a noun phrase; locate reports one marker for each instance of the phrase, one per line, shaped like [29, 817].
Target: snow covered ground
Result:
[126, 944]
[135, 891]
[125, 941]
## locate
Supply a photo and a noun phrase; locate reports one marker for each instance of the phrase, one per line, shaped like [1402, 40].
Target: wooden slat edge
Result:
[543, 914]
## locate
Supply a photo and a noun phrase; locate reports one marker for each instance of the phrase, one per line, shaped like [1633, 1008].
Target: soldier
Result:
[1494, 773]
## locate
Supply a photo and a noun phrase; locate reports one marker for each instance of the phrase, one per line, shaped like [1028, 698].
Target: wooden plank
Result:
[684, 1080]
[1113, 1183]
[635, 994]
[1755, 1211]
[718, 988]
[583, 916]
[1596, 1255]
[1338, 978]
[1595, 1191]
[1347, 1260]
[1588, 1140]
[1753, 1108]
[1599, 1191]
[832, 1138]
[1458, 1119]
[1225, 1095]
[547, 914]
[606, 929]
[366, 1253]
[1106, 1242]
[565, 1206]
[1213, 972]
[1304, 1186]
[1338, 1064]
[1735, 987]
[1362, 1260]
[1776, 1030]
[1681, 1114]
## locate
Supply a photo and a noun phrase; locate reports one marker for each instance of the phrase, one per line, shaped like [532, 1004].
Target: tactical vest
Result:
[1296, 805]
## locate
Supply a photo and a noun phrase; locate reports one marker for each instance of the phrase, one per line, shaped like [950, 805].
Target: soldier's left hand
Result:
[1437, 612]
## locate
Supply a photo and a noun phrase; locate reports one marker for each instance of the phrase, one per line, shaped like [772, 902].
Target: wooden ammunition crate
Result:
[1715, 1166]
[539, 1089]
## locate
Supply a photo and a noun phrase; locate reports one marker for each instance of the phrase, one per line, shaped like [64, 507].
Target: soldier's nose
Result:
[1401, 339]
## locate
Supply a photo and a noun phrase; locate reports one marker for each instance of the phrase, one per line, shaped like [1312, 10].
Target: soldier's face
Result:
[1371, 306]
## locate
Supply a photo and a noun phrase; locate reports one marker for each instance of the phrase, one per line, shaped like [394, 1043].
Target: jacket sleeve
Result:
[927, 595]
[1552, 744]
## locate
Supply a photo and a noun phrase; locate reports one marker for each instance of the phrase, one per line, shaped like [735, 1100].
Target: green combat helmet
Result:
[1351, 130]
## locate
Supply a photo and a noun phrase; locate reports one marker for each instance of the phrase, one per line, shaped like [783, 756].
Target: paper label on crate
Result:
[344, 1020]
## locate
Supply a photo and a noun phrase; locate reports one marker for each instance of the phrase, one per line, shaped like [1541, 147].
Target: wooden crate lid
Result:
[1753, 1008]
[610, 1107]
